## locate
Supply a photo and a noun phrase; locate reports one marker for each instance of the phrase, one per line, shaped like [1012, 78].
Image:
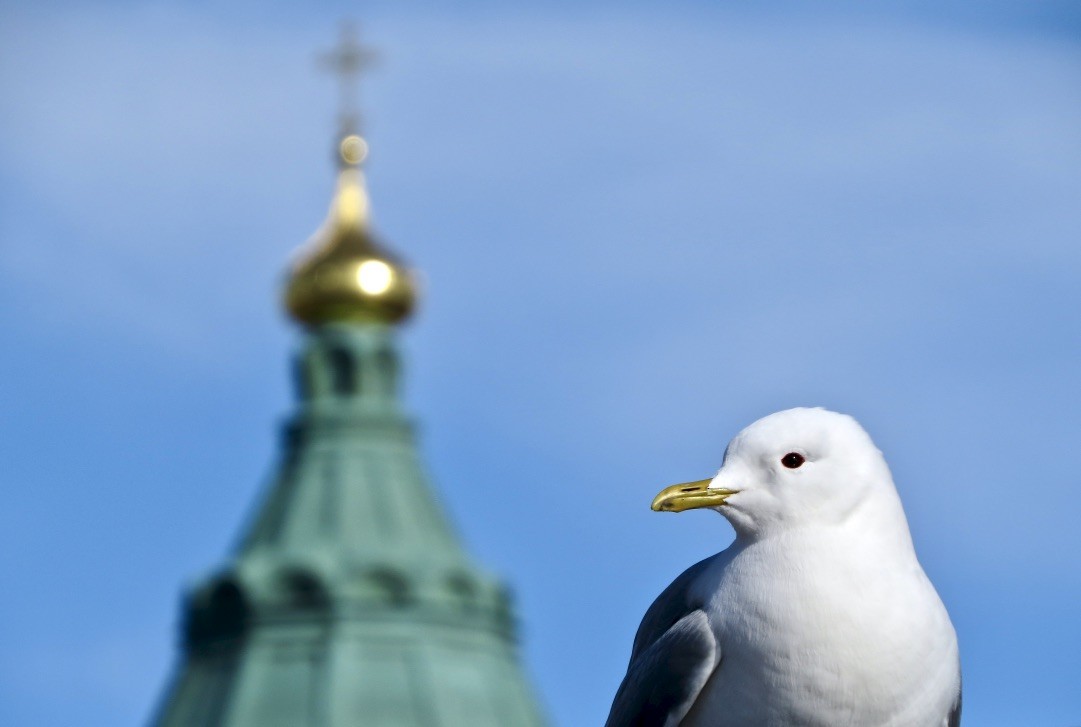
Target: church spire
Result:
[349, 599]
[345, 275]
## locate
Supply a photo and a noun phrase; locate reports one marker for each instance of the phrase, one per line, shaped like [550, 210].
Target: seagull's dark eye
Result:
[792, 460]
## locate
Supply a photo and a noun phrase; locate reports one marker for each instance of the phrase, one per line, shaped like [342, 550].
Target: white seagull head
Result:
[794, 468]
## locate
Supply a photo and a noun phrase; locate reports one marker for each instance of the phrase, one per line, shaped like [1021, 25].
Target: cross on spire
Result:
[347, 61]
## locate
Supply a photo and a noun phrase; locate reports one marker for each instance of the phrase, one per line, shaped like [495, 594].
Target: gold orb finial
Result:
[353, 149]
[347, 275]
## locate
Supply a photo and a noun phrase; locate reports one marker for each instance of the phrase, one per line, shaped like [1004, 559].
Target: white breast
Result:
[817, 631]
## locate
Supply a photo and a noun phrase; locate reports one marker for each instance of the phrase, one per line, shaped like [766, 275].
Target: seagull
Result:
[817, 615]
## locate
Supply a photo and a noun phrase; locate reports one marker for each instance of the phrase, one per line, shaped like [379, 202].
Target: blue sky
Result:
[641, 226]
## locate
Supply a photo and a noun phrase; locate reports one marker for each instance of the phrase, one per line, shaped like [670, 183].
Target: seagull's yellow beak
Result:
[690, 495]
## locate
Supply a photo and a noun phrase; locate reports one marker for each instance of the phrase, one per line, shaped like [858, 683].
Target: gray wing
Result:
[673, 656]
[955, 711]
[664, 680]
[673, 604]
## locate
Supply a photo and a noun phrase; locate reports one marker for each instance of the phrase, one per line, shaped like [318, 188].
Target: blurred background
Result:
[641, 226]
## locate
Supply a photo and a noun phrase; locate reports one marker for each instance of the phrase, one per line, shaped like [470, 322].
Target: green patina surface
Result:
[349, 600]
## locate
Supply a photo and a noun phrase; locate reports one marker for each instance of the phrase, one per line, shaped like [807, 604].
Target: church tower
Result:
[349, 600]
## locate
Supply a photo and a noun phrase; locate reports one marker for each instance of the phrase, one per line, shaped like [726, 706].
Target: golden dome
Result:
[346, 275]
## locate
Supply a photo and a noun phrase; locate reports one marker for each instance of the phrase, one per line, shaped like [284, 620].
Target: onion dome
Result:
[344, 275]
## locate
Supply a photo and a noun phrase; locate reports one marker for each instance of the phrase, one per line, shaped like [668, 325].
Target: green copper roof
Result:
[349, 600]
